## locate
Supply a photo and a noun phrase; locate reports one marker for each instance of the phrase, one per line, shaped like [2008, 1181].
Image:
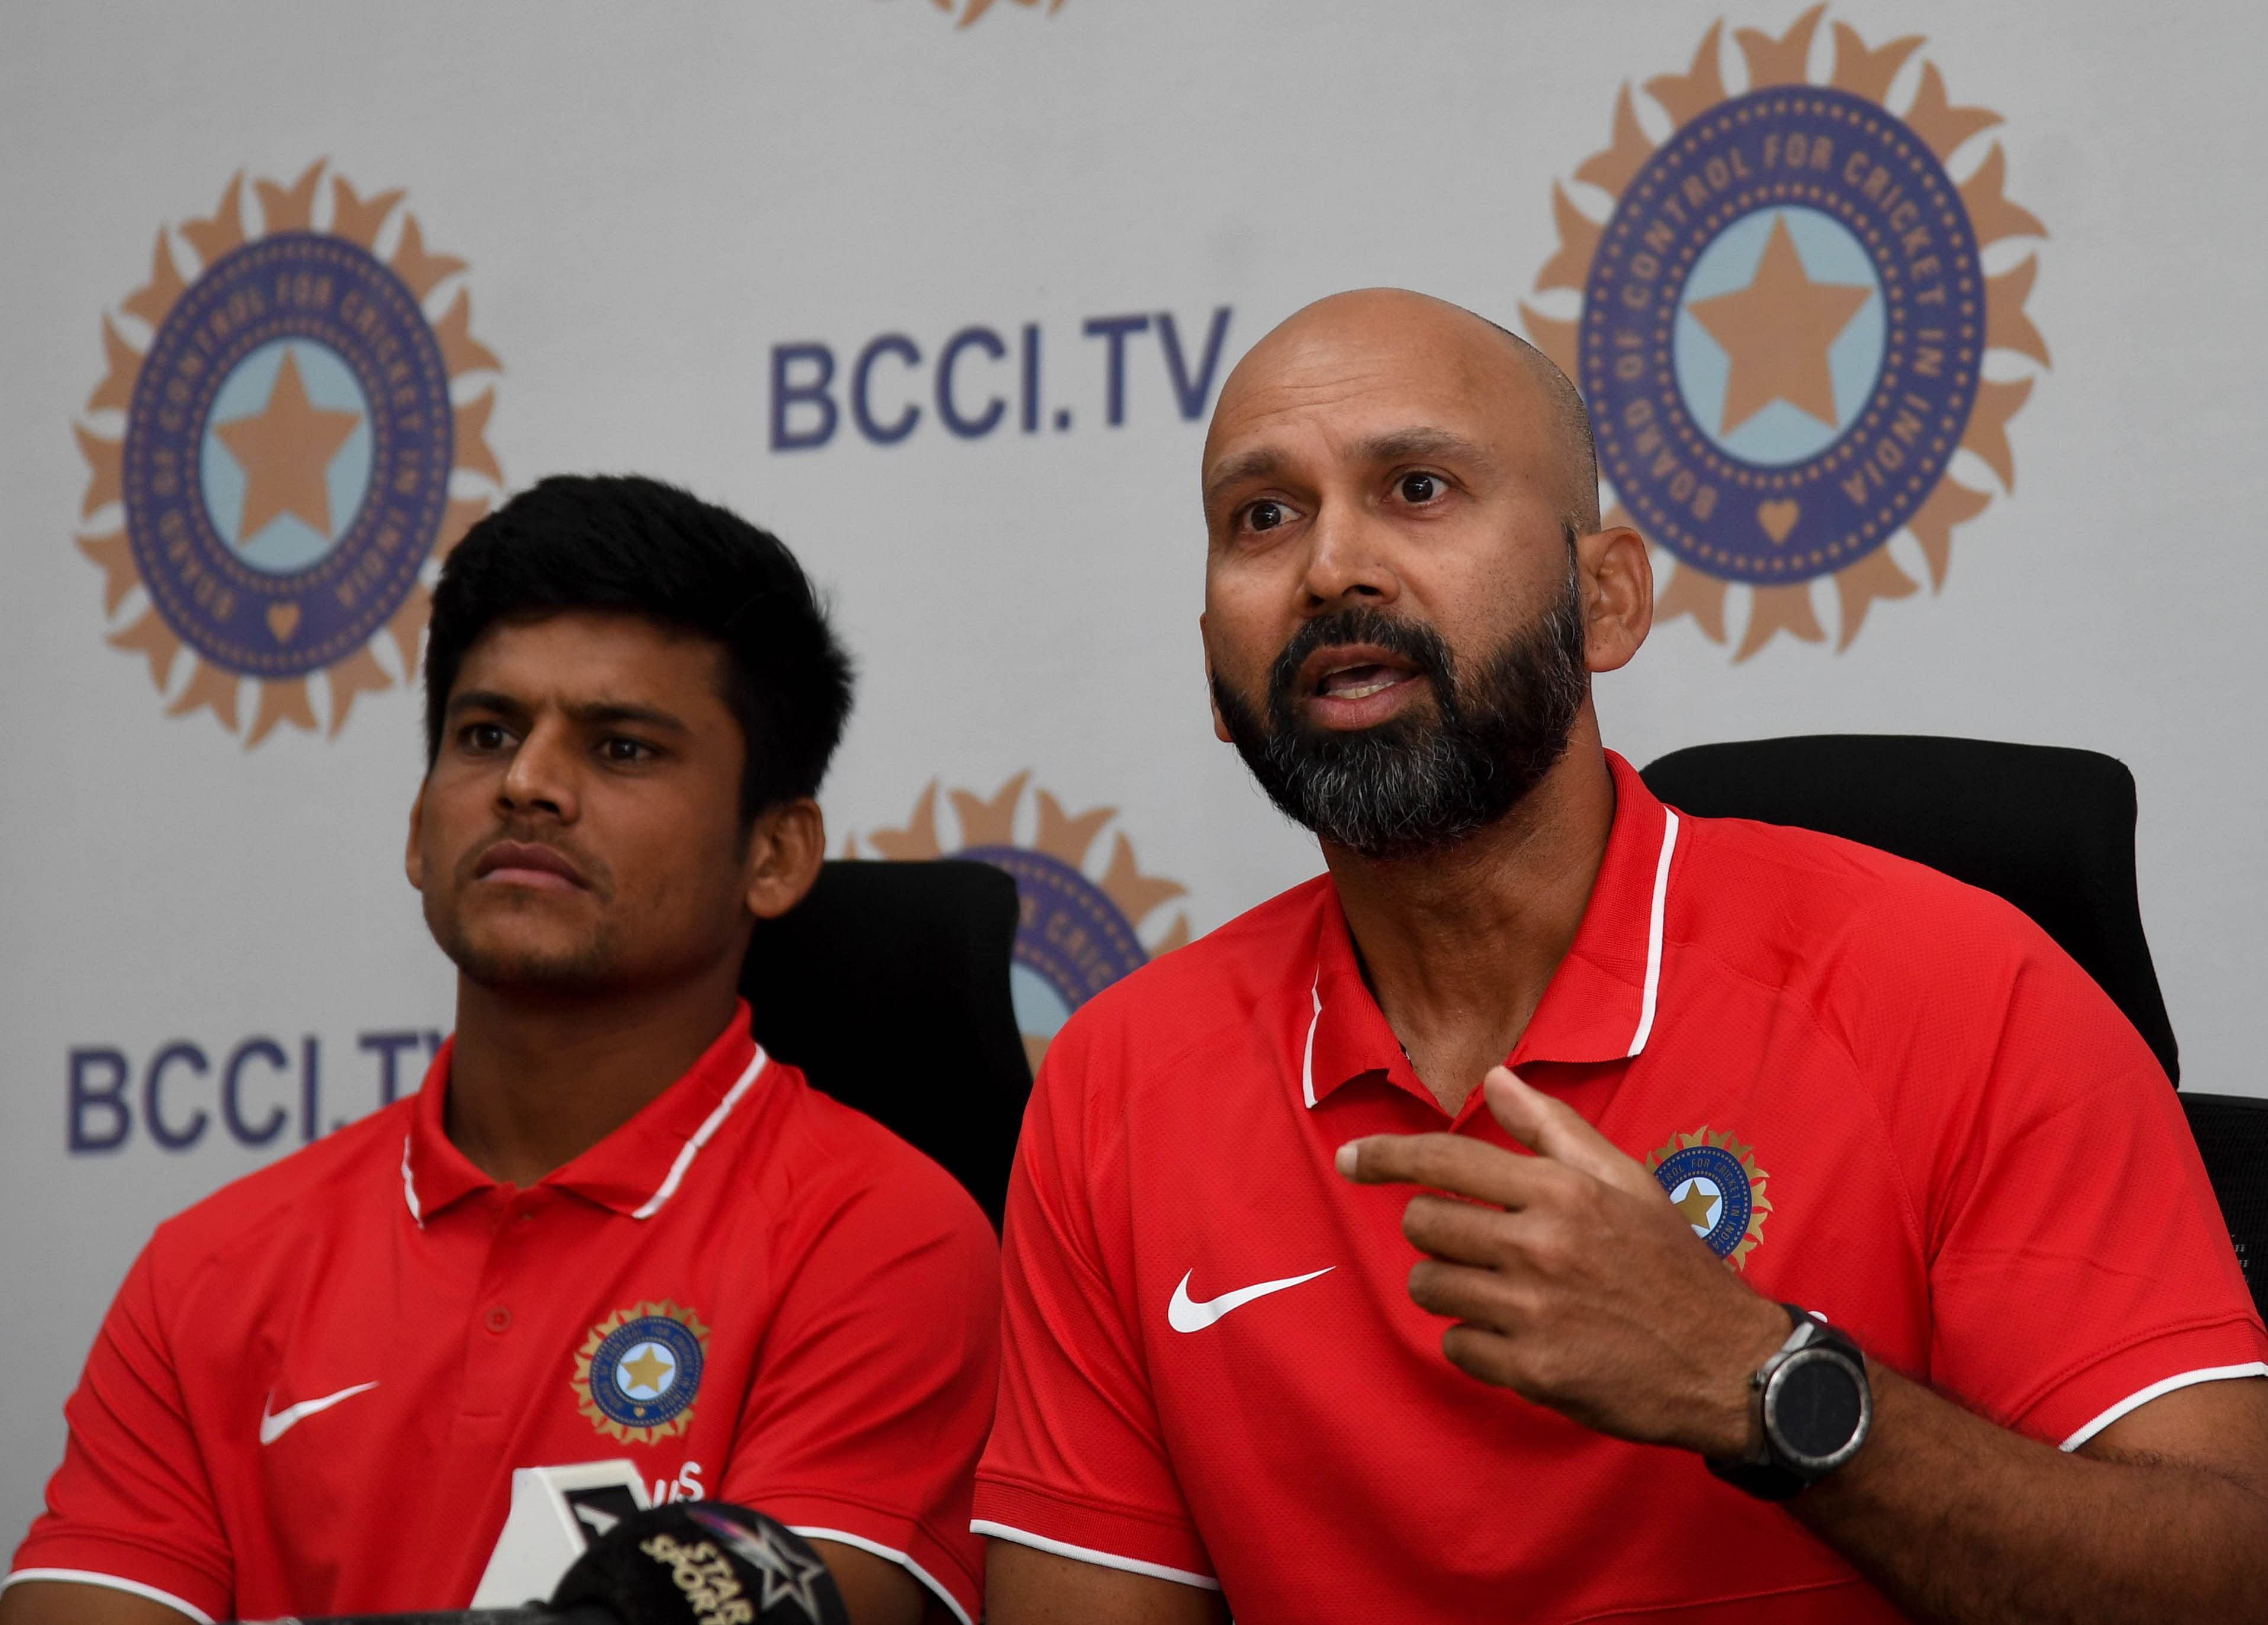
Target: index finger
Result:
[1451, 1163]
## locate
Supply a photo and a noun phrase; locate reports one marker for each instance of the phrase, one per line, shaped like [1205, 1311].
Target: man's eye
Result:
[1420, 488]
[1265, 515]
[483, 736]
[621, 750]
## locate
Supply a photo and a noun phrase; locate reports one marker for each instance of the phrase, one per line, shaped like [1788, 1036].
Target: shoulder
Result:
[340, 1180]
[309, 1181]
[1148, 1048]
[1762, 892]
[1219, 983]
[1888, 957]
[830, 1164]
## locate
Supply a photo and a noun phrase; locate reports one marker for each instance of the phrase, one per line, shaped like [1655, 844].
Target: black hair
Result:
[622, 542]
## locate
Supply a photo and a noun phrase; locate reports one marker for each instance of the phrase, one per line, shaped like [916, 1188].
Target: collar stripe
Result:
[701, 1136]
[1653, 933]
[410, 1186]
[1307, 1061]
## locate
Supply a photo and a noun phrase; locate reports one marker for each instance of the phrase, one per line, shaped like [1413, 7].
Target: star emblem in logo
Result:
[650, 1370]
[1698, 1204]
[1777, 331]
[285, 450]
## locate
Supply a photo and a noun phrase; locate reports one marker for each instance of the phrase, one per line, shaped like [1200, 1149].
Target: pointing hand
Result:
[1570, 1277]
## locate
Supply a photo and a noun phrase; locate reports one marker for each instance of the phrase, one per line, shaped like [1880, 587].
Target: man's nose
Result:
[1349, 560]
[541, 777]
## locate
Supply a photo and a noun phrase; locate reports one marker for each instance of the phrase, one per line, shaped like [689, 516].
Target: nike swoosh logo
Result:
[275, 1427]
[1186, 1315]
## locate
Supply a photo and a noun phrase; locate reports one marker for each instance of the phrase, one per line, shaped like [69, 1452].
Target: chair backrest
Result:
[2232, 1136]
[2052, 830]
[888, 986]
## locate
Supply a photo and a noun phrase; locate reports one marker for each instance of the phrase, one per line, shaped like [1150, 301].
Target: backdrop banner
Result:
[1924, 342]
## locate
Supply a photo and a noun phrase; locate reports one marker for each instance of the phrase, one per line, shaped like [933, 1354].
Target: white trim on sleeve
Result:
[812, 1532]
[1086, 1554]
[87, 1576]
[1653, 933]
[2136, 1400]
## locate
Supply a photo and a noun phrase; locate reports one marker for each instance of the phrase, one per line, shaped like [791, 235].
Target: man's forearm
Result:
[1959, 1521]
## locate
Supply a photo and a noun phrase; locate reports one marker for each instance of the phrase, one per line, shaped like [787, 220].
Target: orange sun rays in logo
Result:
[284, 448]
[1079, 930]
[2016, 350]
[1067, 837]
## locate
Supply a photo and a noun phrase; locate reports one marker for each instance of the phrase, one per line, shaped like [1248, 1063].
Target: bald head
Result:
[1380, 339]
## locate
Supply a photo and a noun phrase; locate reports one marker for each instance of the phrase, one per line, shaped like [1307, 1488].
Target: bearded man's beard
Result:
[1428, 778]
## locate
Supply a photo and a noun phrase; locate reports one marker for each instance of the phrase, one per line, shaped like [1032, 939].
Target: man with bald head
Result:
[1787, 1205]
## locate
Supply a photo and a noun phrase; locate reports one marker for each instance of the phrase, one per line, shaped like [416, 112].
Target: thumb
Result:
[1553, 1129]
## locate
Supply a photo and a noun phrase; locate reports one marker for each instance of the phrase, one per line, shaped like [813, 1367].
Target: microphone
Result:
[702, 1563]
[691, 1563]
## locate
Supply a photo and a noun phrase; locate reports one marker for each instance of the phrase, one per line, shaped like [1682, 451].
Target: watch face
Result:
[1816, 1405]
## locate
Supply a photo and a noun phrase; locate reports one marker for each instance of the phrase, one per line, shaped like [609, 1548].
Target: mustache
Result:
[1424, 779]
[600, 879]
[1413, 640]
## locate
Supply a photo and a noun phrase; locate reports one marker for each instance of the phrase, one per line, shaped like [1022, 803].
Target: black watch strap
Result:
[1770, 1474]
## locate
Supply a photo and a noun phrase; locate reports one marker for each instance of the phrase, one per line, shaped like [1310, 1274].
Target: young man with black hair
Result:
[608, 1225]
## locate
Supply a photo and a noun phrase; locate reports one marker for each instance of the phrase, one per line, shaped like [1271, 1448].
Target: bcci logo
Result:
[638, 1373]
[1714, 1183]
[1785, 323]
[283, 451]
[1077, 934]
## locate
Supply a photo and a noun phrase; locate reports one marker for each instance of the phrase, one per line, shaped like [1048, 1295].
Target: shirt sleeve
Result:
[2080, 1264]
[1077, 1464]
[132, 1505]
[873, 1392]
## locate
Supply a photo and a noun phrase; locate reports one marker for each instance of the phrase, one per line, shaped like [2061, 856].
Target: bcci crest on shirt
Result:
[1713, 1181]
[274, 464]
[638, 1373]
[1784, 325]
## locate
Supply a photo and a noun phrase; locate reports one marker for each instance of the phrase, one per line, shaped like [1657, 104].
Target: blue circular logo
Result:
[1781, 334]
[645, 1371]
[1709, 1188]
[287, 456]
[1071, 940]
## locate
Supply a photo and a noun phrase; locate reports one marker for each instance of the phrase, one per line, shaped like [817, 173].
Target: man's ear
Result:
[1220, 724]
[414, 860]
[785, 848]
[1617, 584]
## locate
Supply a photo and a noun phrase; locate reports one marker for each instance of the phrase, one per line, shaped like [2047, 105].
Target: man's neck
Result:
[1459, 945]
[536, 1081]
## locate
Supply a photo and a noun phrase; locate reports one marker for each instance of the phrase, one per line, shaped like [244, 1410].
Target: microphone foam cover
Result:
[702, 1563]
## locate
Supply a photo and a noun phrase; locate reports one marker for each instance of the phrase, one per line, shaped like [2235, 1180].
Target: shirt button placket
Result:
[494, 1366]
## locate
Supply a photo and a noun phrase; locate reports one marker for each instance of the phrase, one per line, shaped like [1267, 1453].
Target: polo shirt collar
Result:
[635, 1170]
[1601, 1002]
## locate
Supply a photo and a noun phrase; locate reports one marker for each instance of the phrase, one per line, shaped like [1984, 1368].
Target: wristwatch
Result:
[1812, 1409]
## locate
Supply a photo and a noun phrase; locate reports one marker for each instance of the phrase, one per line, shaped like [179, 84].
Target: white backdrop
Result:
[649, 202]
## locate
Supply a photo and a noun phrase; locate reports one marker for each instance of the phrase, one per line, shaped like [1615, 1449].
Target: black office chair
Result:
[888, 986]
[2051, 830]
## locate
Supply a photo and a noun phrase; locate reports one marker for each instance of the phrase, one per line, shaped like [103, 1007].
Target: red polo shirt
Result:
[311, 1391]
[1879, 1093]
